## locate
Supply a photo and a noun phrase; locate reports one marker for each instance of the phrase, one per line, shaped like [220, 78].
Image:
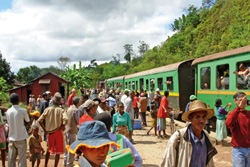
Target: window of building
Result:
[160, 83]
[170, 84]
[205, 78]
[243, 75]
[222, 79]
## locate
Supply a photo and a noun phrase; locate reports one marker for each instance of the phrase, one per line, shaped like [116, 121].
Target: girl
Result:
[220, 113]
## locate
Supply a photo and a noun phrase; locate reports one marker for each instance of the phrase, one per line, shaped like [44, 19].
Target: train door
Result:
[141, 84]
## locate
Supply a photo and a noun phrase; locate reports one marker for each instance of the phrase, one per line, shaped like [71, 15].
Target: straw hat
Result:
[197, 106]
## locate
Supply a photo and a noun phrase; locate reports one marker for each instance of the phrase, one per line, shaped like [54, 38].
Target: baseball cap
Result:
[90, 103]
[35, 113]
[91, 134]
[192, 97]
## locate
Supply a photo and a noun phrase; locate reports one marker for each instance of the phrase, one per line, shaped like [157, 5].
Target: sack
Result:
[122, 157]
[138, 104]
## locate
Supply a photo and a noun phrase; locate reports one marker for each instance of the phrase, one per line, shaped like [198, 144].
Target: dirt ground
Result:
[152, 149]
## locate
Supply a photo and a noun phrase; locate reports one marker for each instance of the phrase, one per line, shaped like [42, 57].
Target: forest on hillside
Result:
[218, 25]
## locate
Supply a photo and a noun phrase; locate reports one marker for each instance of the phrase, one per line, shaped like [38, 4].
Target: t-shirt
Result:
[119, 120]
[161, 111]
[15, 118]
[35, 142]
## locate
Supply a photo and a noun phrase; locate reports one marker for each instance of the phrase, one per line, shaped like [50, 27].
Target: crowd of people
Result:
[88, 128]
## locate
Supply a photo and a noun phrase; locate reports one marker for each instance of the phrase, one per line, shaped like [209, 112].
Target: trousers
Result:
[19, 147]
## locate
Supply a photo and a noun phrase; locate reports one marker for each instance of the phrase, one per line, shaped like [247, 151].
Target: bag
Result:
[122, 157]
[138, 104]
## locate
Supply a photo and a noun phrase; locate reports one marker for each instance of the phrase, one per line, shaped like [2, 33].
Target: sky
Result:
[38, 32]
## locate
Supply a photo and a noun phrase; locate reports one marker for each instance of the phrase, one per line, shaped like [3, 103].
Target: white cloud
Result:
[39, 32]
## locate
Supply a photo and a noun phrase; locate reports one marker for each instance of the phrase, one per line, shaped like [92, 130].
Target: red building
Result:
[47, 82]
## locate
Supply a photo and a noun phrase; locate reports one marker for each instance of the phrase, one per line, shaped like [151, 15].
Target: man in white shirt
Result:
[16, 117]
[128, 107]
[124, 96]
[150, 96]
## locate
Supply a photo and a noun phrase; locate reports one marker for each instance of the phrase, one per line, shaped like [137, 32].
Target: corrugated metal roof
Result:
[115, 79]
[166, 68]
[222, 54]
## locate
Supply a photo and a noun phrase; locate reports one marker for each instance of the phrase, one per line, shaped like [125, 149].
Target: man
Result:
[191, 98]
[43, 106]
[128, 107]
[191, 146]
[71, 131]
[124, 96]
[150, 96]
[84, 97]
[162, 115]
[55, 119]
[102, 106]
[239, 122]
[73, 94]
[135, 106]
[143, 108]
[112, 103]
[16, 117]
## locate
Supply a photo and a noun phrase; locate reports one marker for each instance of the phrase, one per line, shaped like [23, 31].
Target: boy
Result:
[93, 141]
[35, 115]
[35, 146]
[153, 113]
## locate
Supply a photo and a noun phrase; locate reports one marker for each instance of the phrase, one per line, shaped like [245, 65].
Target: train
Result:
[209, 78]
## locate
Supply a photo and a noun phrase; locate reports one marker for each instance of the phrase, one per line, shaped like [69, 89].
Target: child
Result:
[35, 115]
[221, 128]
[35, 146]
[93, 141]
[153, 113]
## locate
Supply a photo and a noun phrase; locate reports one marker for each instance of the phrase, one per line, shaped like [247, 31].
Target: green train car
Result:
[177, 78]
[214, 77]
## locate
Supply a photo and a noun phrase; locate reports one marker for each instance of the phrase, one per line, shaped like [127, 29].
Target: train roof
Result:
[115, 78]
[166, 68]
[222, 54]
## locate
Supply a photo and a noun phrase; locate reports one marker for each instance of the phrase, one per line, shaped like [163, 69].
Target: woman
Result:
[122, 122]
[221, 129]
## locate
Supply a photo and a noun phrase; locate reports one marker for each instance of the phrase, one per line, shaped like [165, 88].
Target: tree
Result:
[116, 59]
[5, 71]
[143, 47]
[92, 64]
[51, 68]
[128, 52]
[63, 61]
[208, 3]
[27, 74]
[77, 77]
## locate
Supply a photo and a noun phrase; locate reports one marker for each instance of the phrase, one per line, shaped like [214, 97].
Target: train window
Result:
[160, 83]
[205, 78]
[243, 75]
[136, 86]
[170, 84]
[222, 80]
[152, 83]
[129, 85]
[147, 84]
[141, 84]
[133, 85]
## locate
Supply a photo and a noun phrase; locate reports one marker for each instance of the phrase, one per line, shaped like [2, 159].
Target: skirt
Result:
[161, 123]
[153, 122]
[123, 130]
[221, 130]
